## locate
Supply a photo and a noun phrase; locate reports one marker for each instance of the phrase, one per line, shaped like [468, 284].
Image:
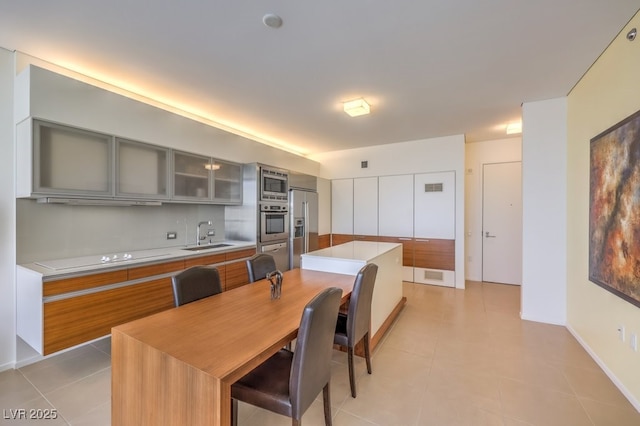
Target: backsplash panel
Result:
[51, 231]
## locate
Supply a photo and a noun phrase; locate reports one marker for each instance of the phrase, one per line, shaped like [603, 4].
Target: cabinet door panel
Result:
[227, 182]
[395, 207]
[191, 176]
[72, 321]
[342, 206]
[365, 206]
[142, 170]
[71, 161]
[434, 195]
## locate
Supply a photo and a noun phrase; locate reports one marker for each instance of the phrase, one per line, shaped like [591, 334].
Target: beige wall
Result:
[609, 92]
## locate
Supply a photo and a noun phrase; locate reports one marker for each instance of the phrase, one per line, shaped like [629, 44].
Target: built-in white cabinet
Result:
[70, 161]
[365, 206]
[142, 170]
[395, 209]
[342, 206]
[434, 205]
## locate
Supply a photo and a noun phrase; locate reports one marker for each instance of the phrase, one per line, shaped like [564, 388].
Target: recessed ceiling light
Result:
[514, 128]
[356, 107]
[272, 20]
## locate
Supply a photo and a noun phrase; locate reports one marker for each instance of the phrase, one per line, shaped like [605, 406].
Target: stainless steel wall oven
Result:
[274, 222]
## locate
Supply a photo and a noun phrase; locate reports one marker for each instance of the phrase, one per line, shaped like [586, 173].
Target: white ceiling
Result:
[429, 68]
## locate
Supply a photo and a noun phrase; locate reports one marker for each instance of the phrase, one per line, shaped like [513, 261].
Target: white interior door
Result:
[502, 223]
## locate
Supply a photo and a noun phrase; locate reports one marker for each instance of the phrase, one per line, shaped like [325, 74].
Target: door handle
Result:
[487, 235]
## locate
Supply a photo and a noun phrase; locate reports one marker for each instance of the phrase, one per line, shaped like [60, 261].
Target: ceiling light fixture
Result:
[356, 107]
[514, 128]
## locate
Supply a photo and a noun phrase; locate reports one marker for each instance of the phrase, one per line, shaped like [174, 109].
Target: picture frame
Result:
[614, 209]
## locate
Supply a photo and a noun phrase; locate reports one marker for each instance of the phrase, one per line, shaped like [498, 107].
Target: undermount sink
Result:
[207, 247]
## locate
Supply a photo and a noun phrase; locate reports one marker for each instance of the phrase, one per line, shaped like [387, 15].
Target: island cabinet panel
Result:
[72, 321]
[53, 288]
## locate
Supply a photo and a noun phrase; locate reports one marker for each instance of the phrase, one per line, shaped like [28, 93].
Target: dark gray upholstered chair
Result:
[195, 283]
[288, 382]
[259, 265]
[355, 325]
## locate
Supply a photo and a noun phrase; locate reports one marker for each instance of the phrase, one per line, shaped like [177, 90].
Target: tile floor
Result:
[453, 357]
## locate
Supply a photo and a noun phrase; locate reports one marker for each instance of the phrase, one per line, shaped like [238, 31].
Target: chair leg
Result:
[352, 377]
[234, 412]
[326, 397]
[367, 353]
[295, 422]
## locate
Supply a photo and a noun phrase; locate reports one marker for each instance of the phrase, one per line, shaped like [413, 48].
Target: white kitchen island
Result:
[348, 258]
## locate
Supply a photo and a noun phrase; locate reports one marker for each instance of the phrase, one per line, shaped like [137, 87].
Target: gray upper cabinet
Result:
[71, 161]
[227, 182]
[204, 179]
[142, 170]
[191, 177]
[63, 164]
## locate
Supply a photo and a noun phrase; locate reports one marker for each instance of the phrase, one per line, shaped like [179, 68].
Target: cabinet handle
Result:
[405, 239]
[423, 241]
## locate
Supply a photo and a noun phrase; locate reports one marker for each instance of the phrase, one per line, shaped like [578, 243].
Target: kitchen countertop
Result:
[354, 250]
[58, 268]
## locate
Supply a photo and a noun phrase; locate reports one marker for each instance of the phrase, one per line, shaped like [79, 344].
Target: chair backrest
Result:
[259, 265]
[311, 365]
[359, 313]
[195, 283]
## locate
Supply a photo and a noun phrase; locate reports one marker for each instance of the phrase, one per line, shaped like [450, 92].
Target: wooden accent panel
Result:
[51, 288]
[324, 241]
[407, 248]
[236, 275]
[157, 269]
[76, 320]
[337, 239]
[435, 254]
[144, 376]
[373, 238]
[233, 255]
[211, 259]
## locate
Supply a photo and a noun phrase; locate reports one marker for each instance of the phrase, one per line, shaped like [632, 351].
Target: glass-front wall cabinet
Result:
[227, 182]
[191, 176]
[142, 170]
[200, 178]
[71, 161]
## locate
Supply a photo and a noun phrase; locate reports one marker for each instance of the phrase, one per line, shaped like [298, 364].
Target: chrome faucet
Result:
[198, 237]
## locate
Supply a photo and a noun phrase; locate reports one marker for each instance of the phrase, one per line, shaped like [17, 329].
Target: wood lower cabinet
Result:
[434, 254]
[337, 239]
[61, 313]
[407, 248]
[324, 241]
[76, 320]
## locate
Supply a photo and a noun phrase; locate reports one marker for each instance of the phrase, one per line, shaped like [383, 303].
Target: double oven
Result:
[273, 222]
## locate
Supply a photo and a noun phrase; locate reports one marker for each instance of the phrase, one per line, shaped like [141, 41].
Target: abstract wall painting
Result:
[614, 210]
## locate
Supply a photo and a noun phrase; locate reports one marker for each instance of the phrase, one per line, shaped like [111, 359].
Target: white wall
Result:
[544, 211]
[421, 156]
[607, 94]
[476, 155]
[7, 215]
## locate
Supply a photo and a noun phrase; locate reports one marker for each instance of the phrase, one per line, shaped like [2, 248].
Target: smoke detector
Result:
[272, 20]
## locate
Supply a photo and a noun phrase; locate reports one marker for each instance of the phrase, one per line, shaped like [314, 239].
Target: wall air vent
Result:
[434, 275]
[433, 187]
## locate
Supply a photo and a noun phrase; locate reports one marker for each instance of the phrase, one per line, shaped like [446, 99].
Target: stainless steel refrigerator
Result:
[303, 211]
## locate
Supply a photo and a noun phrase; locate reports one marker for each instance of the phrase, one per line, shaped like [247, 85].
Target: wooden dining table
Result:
[177, 366]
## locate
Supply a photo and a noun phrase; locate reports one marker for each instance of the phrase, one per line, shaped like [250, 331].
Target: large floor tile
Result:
[15, 390]
[76, 400]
